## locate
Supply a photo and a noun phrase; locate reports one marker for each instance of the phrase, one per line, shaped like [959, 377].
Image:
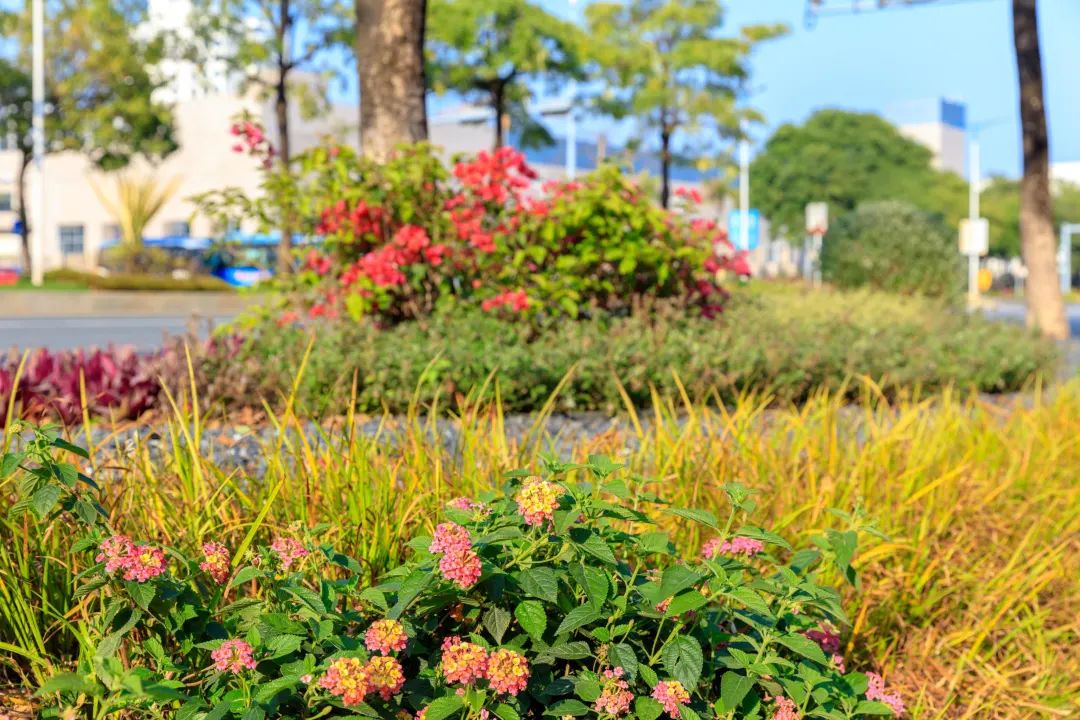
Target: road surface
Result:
[1013, 311]
[144, 332]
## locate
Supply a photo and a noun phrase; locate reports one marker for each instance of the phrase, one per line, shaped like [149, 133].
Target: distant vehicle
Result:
[240, 259]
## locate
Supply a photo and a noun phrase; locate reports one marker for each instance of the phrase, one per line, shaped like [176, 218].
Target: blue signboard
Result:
[753, 236]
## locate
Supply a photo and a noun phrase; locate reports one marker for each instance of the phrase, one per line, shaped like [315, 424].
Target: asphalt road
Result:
[60, 333]
[145, 332]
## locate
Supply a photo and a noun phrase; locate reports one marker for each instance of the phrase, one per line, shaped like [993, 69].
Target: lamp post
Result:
[37, 227]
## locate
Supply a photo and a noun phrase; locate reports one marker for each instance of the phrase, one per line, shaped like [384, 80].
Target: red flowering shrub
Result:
[398, 239]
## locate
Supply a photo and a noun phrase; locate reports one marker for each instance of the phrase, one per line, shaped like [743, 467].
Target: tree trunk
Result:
[665, 168]
[24, 234]
[498, 104]
[281, 112]
[1045, 307]
[390, 64]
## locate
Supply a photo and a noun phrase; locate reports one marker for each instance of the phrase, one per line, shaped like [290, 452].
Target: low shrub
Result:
[893, 246]
[787, 345]
[400, 239]
[137, 281]
[115, 383]
[556, 596]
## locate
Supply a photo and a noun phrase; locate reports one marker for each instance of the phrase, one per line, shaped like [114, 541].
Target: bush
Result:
[555, 597]
[893, 246]
[786, 345]
[402, 238]
[139, 282]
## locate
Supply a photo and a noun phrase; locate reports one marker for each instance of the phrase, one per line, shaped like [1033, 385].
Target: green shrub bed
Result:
[789, 345]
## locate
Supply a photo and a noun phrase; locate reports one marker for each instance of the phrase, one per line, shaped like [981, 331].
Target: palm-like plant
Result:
[138, 198]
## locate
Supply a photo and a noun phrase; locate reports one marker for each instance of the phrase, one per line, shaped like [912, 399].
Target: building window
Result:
[177, 228]
[5, 202]
[71, 239]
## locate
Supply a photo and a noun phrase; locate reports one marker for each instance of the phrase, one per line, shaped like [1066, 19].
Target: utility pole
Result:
[37, 226]
[974, 186]
[571, 120]
[744, 193]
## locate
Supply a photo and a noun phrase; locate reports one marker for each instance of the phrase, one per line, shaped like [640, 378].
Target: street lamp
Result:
[37, 229]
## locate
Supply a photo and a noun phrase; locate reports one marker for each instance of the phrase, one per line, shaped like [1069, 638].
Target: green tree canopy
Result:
[99, 88]
[665, 63]
[847, 158]
[491, 50]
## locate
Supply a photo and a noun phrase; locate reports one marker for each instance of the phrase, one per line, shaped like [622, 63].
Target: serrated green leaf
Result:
[44, 499]
[496, 621]
[647, 709]
[443, 707]
[733, 688]
[531, 616]
[804, 646]
[683, 659]
[65, 682]
[622, 656]
[245, 574]
[699, 516]
[568, 707]
[540, 582]
[578, 617]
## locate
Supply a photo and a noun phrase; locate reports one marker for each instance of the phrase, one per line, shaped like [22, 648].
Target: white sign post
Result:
[817, 224]
[974, 242]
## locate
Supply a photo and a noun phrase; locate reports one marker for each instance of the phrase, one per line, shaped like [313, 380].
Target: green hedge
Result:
[137, 281]
[788, 344]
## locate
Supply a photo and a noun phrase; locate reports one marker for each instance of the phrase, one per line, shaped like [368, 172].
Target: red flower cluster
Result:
[252, 140]
[382, 267]
[319, 263]
[362, 220]
[516, 300]
[691, 195]
[497, 179]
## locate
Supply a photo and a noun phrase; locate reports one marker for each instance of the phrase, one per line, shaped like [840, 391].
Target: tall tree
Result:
[1045, 306]
[266, 43]
[390, 65]
[667, 65]
[847, 158]
[491, 50]
[99, 90]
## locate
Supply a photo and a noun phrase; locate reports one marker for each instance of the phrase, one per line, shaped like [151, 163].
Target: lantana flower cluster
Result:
[506, 671]
[737, 546]
[288, 551]
[234, 656]
[615, 695]
[538, 500]
[138, 562]
[876, 691]
[459, 562]
[672, 696]
[215, 562]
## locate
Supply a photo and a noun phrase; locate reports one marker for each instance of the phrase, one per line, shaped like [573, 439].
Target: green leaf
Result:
[622, 655]
[872, 707]
[141, 593]
[654, 542]
[647, 709]
[308, 597]
[699, 516]
[245, 574]
[376, 598]
[586, 689]
[804, 646]
[506, 712]
[44, 499]
[578, 617]
[568, 707]
[540, 582]
[65, 445]
[66, 682]
[411, 587]
[690, 600]
[531, 616]
[8, 464]
[496, 621]
[576, 650]
[763, 535]
[683, 659]
[750, 599]
[443, 707]
[281, 645]
[597, 586]
[648, 675]
[593, 544]
[733, 688]
[267, 691]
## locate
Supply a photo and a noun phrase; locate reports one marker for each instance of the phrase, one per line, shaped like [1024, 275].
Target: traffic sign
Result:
[817, 218]
[974, 236]
[734, 226]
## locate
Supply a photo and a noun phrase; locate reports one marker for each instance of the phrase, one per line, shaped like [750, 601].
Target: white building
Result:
[938, 124]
